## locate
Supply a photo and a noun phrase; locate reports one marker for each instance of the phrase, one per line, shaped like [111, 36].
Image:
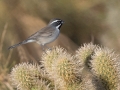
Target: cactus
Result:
[92, 68]
[26, 76]
[84, 53]
[106, 66]
[50, 56]
[61, 67]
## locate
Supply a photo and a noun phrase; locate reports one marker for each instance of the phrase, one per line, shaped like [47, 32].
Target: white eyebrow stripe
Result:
[54, 21]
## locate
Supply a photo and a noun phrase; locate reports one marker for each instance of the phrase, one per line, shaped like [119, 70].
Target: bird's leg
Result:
[47, 47]
[42, 46]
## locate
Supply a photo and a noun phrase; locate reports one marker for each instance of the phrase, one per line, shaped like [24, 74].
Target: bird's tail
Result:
[23, 42]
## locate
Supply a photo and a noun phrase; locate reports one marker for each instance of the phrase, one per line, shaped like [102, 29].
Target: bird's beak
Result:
[63, 22]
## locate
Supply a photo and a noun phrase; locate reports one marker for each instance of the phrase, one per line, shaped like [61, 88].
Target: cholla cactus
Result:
[49, 57]
[61, 67]
[28, 77]
[106, 66]
[84, 54]
[92, 68]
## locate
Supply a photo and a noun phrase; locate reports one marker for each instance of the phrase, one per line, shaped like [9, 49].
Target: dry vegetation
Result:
[5, 64]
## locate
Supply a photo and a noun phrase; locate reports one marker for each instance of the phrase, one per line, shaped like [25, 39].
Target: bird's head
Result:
[56, 23]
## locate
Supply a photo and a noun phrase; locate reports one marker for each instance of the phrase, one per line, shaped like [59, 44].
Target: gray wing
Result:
[45, 32]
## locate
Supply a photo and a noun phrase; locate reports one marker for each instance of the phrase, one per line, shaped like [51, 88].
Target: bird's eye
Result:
[58, 22]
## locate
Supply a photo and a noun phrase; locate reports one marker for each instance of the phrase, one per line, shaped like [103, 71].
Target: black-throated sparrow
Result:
[45, 35]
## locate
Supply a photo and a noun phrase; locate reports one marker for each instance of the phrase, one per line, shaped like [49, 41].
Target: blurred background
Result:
[96, 21]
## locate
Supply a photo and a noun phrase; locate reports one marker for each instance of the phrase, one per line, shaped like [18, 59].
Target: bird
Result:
[45, 35]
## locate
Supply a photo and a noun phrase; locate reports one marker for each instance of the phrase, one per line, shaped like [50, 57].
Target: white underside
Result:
[30, 41]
